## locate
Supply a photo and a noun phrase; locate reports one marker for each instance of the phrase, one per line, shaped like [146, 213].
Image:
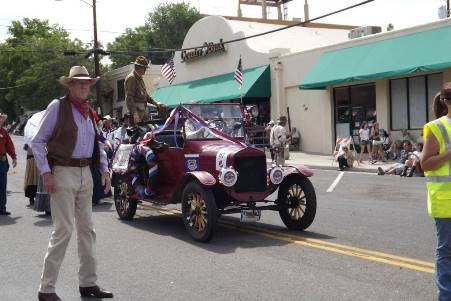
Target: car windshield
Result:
[227, 118]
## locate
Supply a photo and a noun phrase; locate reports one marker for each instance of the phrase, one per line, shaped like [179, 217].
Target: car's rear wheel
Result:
[297, 201]
[199, 211]
[125, 206]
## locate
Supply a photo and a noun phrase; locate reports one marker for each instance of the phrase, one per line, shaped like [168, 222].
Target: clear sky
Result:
[114, 16]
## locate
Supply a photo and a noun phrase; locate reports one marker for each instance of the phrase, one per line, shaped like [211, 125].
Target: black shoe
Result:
[380, 171]
[5, 213]
[95, 291]
[48, 297]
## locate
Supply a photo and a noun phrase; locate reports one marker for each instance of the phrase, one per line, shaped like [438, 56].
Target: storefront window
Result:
[411, 100]
[399, 104]
[435, 82]
[354, 104]
[417, 102]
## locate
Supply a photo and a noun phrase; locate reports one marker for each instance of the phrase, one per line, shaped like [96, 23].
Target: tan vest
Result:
[62, 142]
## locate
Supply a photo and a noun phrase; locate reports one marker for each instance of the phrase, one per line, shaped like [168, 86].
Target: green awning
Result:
[417, 52]
[256, 83]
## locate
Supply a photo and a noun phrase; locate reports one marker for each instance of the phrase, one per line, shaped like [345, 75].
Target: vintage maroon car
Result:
[212, 173]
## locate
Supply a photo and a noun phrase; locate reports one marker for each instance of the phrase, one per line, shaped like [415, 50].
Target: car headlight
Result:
[228, 177]
[276, 175]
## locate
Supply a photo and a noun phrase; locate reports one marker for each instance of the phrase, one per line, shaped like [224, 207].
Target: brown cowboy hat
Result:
[141, 61]
[77, 73]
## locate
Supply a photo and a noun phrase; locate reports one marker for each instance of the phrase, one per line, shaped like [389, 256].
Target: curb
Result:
[334, 168]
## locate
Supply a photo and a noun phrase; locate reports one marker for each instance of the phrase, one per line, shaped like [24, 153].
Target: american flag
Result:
[168, 70]
[239, 73]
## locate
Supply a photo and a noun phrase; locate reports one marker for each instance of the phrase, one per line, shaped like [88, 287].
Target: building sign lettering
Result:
[206, 50]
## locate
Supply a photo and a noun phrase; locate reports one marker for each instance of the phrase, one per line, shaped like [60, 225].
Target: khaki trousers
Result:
[71, 203]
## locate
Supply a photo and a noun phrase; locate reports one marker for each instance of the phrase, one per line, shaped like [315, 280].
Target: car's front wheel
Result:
[297, 201]
[125, 206]
[199, 211]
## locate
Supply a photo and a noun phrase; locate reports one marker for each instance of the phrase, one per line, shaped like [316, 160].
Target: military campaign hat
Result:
[141, 61]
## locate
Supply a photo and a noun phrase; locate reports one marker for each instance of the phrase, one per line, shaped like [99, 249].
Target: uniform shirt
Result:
[6, 144]
[135, 91]
[278, 135]
[84, 146]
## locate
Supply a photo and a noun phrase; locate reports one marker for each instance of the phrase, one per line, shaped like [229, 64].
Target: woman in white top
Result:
[364, 134]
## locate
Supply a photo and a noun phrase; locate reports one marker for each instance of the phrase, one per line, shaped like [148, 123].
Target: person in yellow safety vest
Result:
[436, 163]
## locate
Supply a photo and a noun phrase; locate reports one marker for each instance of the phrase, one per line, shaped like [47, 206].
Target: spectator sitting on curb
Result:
[397, 168]
[345, 158]
[396, 145]
[413, 161]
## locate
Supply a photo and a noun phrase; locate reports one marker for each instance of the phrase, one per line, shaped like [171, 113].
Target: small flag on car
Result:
[239, 73]
[168, 70]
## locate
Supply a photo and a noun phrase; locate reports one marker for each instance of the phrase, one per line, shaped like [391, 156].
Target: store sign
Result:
[208, 49]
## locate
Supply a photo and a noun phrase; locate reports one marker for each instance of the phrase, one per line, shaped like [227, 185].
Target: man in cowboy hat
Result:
[6, 148]
[65, 145]
[136, 96]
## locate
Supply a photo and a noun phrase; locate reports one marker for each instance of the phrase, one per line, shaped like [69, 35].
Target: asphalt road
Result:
[371, 240]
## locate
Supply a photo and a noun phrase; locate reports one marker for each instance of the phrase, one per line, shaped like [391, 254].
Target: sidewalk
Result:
[325, 162]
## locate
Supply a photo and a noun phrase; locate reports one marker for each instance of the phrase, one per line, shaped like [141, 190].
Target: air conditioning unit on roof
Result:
[364, 31]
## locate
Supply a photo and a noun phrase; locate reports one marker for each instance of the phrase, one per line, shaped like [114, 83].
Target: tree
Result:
[134, 40]
[170, 23]
[31, 60]
[166, 27]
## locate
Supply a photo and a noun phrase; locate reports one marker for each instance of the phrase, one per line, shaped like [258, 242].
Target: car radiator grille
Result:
[251, 174]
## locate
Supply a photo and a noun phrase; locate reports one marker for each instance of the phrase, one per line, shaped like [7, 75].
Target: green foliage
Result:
[32, 58]
[166, 27]
[135, 40]
[169, 24]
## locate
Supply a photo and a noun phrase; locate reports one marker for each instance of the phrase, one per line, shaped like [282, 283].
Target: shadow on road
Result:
[46, 220]
[228, 237]
[103, 207]
[9, 192]
[280, 229]
[8, 220]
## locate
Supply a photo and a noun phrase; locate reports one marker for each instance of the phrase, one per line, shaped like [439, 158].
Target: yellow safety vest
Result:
[438, 181]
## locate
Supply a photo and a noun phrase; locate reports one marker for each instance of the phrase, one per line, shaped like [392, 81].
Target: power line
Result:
[263, 33]
[74, 29]
[163, 50]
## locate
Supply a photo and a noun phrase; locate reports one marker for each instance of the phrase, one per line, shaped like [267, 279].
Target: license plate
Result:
[250, 215]
[122, 158]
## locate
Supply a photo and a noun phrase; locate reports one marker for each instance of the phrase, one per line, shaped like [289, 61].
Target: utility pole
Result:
[447, 8]
[96, 58]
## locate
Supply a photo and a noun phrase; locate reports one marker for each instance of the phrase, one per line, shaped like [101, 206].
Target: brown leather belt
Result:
[3, 158]
[82, 162]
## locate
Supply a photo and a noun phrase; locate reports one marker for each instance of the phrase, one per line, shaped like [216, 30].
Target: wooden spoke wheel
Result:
[297, 201]
[125, 207]
[199, 211]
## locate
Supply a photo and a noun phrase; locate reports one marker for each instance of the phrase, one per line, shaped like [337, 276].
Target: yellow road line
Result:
[376, 256]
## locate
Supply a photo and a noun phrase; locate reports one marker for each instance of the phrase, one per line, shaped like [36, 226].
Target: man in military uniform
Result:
[136, 96]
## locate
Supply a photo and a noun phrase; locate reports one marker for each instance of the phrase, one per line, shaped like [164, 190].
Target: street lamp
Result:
[96, 52]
